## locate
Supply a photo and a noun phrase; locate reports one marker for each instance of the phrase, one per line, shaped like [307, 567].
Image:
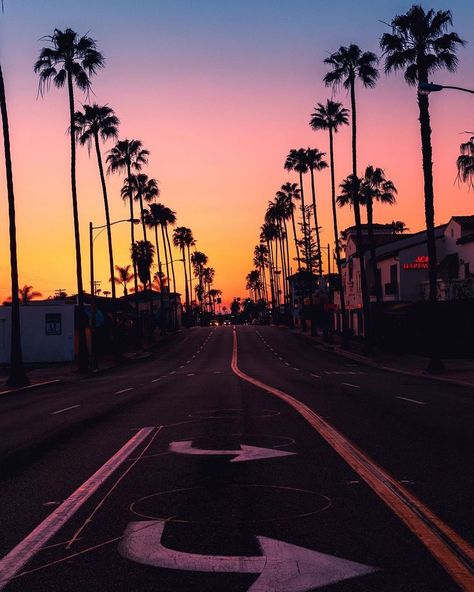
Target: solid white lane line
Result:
[124, 390]
[19, 556]
[65, 409]
[412, 400]
[350, 384]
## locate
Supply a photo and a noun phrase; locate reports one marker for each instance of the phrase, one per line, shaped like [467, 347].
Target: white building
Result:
[47, 332]
[402, 265]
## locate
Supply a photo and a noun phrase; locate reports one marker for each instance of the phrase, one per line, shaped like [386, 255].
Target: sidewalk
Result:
[48, 374]
[457, 371]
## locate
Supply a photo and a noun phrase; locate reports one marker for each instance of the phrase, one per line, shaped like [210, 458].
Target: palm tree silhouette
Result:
[331, 117]
[180, 235]
[123, 277]
[296, 161]
[125, 156]
[260, 260]
[375, 187]
[143, 253]
[267, 235]
[290, 193]
[465, 162]
[17, 376]
[199, 260]
[419, 44]
[350, 64]
[190, 242]
[72, 60]
[143, 190]
[169, 219]
[27, 294]
[316, 162]
[93, 123]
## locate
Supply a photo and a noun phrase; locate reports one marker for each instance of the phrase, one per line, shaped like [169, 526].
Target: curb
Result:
[364, 360]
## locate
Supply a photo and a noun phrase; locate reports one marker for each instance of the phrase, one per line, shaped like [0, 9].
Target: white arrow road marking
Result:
[245, 452]
[282, 567]
[12, 563]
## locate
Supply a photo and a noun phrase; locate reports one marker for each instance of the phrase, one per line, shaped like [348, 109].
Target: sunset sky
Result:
[218, 91]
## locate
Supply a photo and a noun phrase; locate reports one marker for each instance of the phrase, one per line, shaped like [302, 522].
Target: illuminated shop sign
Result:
[421, 262]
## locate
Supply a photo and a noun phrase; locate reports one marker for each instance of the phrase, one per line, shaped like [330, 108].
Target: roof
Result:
[466, 222]
[380, 239]
[407, 242]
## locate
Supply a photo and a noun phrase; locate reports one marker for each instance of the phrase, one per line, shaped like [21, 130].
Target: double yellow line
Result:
[449, 549]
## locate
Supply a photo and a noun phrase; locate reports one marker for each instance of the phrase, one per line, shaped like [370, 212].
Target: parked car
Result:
[226, 322]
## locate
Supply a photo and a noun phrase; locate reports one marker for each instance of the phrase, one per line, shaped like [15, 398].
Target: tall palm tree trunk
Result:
[109, 244]
[435, 364]
[271, 274]
[287, 248]
[305, 230]
[190, 275]
[359, 237]
[160, 277]
[173, 275]
[17, 376]
[316, 225]
[336, 239]
[283, 262]
[138, 328]
[82, 353]
[150, 302]
[295, 237]
[185, 279]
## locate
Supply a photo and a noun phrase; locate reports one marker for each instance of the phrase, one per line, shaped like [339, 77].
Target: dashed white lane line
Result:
[156, 379]
[130, 388]
[412, 400]
[287, 363]
[191, 374]
[65, 409]
[315, 375]
[296, 369]
[173, 372]
[351, 385]
[182, 366]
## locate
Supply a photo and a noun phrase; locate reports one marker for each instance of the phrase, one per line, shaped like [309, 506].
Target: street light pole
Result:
[426, 87]
[93, 359]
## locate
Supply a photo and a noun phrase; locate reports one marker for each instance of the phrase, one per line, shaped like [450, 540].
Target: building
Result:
[47, 332]
[402, 266]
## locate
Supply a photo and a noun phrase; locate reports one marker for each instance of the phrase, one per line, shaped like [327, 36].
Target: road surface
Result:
[238, 459]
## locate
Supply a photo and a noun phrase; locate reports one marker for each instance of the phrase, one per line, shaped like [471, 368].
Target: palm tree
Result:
[180, 236]
[169, 220]
[125, 156]
[331, 117]
[27, 294]
[143, 190]
[297, 161]
[268, 234]
[399, 227]
[199, 260]
[254, 284]
[92, 123]
[72, 60]
[465, 162]
[375, 187]
[291, 193]
[190, 242]
[260, 260]
[350, 64]
[17, 376]
[316, 162]
[123, 277]
[208, 279]
[419, 44]
[275, 215]
[143, 253]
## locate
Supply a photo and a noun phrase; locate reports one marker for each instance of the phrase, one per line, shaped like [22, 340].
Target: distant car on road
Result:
[214, 323]
[226, 322]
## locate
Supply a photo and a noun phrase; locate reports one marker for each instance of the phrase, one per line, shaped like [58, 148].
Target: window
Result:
[53, 324]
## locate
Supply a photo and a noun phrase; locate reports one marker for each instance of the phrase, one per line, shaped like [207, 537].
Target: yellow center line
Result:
[454, 553]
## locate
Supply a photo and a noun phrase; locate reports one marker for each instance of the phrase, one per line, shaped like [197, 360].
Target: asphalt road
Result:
[238, 460]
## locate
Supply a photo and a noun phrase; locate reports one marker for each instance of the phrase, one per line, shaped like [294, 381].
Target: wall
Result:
[47, 332]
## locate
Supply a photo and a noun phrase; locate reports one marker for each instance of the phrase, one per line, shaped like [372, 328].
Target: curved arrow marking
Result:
[282, 567]
[245, 452]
